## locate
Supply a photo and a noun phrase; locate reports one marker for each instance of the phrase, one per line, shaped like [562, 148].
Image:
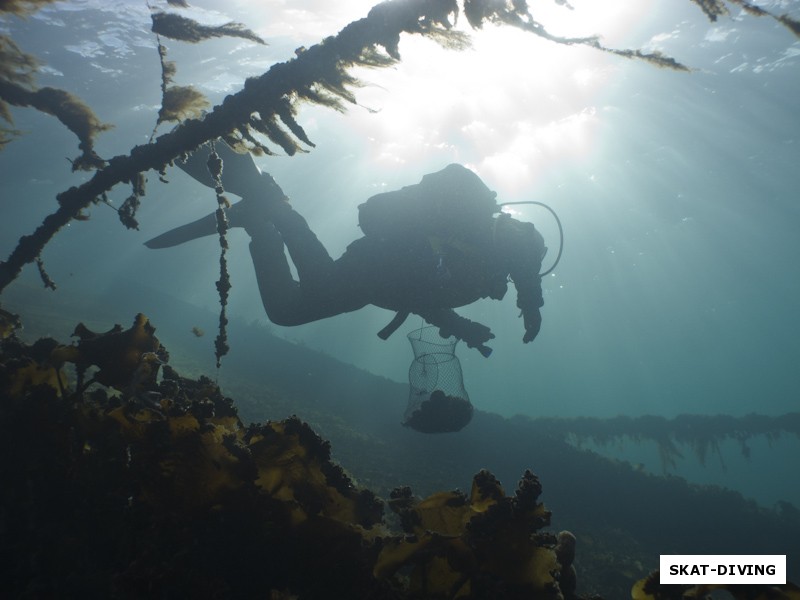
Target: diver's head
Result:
[455, 181]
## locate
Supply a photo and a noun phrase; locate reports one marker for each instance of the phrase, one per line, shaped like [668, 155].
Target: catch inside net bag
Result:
[437, 400]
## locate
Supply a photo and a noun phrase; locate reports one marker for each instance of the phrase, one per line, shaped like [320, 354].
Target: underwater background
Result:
[676, 293]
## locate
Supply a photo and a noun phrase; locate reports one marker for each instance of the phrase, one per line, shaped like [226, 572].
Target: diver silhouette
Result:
[421, 272]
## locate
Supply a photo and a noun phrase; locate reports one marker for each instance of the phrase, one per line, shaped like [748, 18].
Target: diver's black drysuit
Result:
[407, 270]
[405, 275]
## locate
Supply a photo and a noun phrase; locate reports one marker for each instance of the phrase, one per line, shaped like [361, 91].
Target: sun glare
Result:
[510, 106]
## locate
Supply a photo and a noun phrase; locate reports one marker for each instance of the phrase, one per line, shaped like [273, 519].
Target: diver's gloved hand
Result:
[533, 322]
[529, 301]
[474, 334]
[450, 323]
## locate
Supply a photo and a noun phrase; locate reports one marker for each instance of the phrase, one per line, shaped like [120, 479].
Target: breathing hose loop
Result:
[558, 222]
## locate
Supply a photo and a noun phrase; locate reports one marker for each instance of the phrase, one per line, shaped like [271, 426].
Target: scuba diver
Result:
[427, 249]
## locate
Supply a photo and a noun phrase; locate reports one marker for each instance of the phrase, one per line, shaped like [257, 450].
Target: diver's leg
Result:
[286, 301]
[279, 291]
[260, 195]
[315, 267]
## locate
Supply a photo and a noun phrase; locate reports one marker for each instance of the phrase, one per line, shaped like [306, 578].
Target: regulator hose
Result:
[560, 230]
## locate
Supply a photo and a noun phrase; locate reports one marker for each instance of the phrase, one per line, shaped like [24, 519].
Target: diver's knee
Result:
[287, 220]
[264, 236]
[284, 314]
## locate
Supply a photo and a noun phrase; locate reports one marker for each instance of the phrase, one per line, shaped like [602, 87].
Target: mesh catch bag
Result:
[437, 400]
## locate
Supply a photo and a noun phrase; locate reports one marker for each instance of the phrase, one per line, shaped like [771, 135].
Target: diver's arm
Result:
[529, 301]
[474, 334]
[526, 249]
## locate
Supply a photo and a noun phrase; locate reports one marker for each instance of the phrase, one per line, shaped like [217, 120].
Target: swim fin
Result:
[266, 202]
[240, 175]
[196, 229]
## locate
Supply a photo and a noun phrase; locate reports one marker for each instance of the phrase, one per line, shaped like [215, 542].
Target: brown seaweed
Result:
[45, 277]
[9, 323]
[461, 546]
[178, 102]
[123, 358]
[176, 27]
[713, 9]
[792, 24]
[160, 490]
[17, 71]
[23, 8]
[181, 102]
[66, 107]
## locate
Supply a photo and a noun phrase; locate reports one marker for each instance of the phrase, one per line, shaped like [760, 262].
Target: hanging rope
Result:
[215, 166]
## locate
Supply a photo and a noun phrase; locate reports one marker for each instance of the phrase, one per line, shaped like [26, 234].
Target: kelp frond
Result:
[16, 66]
[451, 40]
[22, 8]
[168, 68]
[7, 135]
[243, 141]
[176, 27]
[517, 14]
[373, 58]
[127, 211]
[654, 58]
[181, 102]
[68, 109]
[713, 9]
[48, 283]
[17, 88]
[286, 112]
[79, 119]
[792, 25]
[269, 127]
[177, 102]
[436, 25]
[184, 102]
